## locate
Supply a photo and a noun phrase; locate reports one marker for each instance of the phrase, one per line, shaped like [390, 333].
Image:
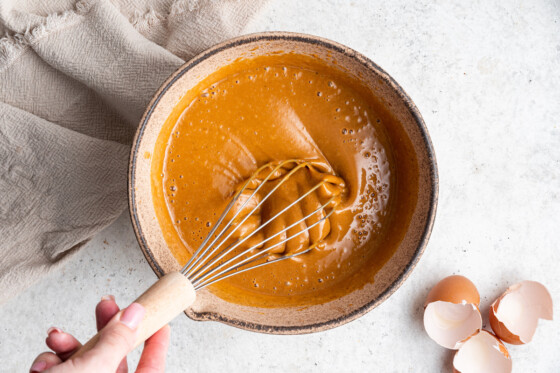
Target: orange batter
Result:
[274, 108]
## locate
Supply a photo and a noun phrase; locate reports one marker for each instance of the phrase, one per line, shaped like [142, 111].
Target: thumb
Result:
[116, 340]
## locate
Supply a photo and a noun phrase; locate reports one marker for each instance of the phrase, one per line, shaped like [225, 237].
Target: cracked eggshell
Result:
[483, 352]
[515, 314]
[451, 312]
[454, 289]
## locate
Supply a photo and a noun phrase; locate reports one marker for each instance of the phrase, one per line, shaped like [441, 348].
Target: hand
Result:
[115, 342]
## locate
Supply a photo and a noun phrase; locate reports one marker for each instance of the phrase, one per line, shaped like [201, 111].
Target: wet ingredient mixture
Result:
[275, 108]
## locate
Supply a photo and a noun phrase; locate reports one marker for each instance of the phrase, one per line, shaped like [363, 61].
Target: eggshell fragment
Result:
[482, 353]
[451, 312]
[454, 289]
[515, 314]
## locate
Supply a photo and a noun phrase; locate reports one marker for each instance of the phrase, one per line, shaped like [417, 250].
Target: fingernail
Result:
[108, 297]
[52, 329]
[132, 315]
[38, 366]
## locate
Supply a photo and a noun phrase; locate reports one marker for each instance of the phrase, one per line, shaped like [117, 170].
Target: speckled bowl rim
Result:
[317, 41]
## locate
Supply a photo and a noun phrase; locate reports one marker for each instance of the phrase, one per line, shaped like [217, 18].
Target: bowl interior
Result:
[289, 320]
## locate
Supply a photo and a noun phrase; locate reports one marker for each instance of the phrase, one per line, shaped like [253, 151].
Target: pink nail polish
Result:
[132, 315]
[108, 297]
[53, 329]
[39, 366]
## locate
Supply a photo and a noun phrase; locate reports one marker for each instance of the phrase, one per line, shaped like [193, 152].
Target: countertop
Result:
[486, 77]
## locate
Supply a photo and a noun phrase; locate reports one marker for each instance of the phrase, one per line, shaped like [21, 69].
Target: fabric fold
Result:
[75, 79]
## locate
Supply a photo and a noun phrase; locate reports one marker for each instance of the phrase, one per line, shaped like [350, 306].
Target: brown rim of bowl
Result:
[313, 40]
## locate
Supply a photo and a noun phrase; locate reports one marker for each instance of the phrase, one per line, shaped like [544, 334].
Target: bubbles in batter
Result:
[267, 112]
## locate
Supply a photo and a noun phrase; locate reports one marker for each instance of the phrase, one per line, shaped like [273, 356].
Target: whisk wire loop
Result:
[197, 256]
[210, 263]
[213, 247]
[232, 247]
[199, 279]
[228, 272]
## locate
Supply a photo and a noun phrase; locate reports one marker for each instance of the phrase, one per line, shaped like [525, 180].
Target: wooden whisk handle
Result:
[163, 301]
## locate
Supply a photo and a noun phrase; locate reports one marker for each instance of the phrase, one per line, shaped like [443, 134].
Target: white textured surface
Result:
[486, 77]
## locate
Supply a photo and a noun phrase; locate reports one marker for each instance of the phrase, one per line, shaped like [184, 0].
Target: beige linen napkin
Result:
[75, 79]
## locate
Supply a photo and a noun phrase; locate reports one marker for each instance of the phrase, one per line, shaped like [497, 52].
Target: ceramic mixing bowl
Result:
[285, 320]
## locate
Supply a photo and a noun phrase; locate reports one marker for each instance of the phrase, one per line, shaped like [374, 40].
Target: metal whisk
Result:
[209, 265]
[230, 248]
